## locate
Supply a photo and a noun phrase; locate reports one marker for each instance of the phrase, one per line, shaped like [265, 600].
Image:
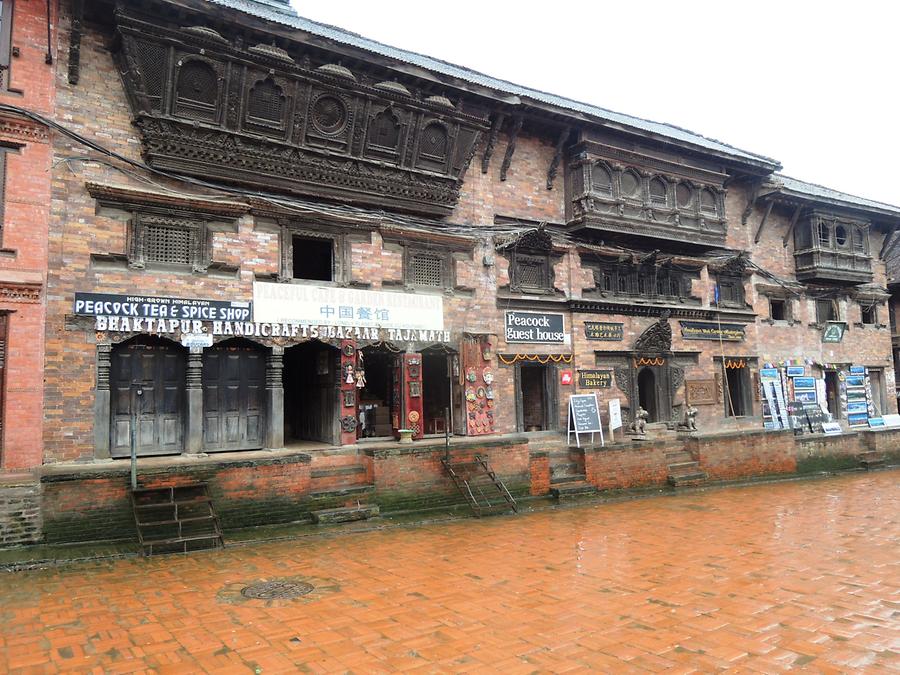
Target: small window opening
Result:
[313, 259]
[840, 235]
[777, 309]
[824, 235]
[825, 311]
[868, 314]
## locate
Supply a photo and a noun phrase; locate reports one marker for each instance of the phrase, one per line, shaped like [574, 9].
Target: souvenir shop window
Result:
[869, 314]
[826, 310]
[779, 309]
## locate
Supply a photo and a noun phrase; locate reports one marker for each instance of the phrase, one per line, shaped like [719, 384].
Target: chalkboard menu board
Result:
[585, 413]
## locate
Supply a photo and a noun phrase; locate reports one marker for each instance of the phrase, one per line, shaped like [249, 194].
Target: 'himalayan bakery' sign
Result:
[594, 379]
[703, 330]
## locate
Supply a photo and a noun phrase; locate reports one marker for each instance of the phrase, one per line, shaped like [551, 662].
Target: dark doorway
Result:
[536, 397]
[234, 374]
[647, 394]
[736, 401]
[311, 393]
[378, 396]
[313, 258]
[832, 397]
[435, 390]
[147, 377]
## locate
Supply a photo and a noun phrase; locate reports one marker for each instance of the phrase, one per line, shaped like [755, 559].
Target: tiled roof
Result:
[278, 12]
[813, 191]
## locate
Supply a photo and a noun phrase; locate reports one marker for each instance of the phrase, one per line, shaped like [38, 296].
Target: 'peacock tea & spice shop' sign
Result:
[604, 330]
[708, 330]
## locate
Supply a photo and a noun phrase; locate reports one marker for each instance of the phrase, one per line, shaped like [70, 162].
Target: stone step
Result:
[675, 456]
[572, 489]
[870, 460]
[567, 469]
[349, 492]
[684, 467]
[345, 514]
[337, 471]
[573, 477]
[688, 479]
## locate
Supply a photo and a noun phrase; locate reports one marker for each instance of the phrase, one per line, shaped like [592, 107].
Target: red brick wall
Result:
[745, 454]
[619, 467]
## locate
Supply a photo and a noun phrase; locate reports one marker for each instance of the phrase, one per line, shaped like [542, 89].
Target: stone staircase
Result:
[176, 519]
[684, 470]
[870, 460]
[340, 487]
[567, 477]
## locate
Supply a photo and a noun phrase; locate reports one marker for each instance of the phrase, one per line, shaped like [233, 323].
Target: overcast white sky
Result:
[812, 84]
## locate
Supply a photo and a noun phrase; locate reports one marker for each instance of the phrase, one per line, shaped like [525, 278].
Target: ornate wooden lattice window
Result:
[684, 196]
[630, 185]
[152, 59]
[168, 241]
[643, 281]
[601, 180]
[708, 202]
[427, 268]
[197, 91]
[530, 273]
[266, 103]
[384, 131]
[659, 192]
[434, 142]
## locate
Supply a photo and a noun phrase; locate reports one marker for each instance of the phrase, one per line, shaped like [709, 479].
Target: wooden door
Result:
[147, 389]
[233, 398]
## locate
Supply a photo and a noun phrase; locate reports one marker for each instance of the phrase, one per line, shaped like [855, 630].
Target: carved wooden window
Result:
[434, 142]
[731, 291]
[826, 310]
[779, 309]
[6, 18]
[841, 236]
[530, 273]
[643, 281]
[151, 57]
[708, 202]
[266, 103]
[601, 180]
[3, 151]
[197, 91]
[868, 313]
[824, 235]
[859, 240]
[384, 131]
[4, 340]
[684, 196]
[630, 184]
[658, 193]
[168, 241]
[426, 268]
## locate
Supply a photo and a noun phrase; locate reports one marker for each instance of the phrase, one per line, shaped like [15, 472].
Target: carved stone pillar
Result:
[194, 380]
[275, 398]
[102, 402]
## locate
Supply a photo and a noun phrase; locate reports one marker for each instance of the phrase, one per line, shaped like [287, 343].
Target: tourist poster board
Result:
[796, 371]
[584, 417]
[891, 420]
[831, 427]
[876, 422]
[615, 414]
[805, 383]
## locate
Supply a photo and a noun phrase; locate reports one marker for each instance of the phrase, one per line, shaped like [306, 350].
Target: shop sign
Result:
[834, 331]
[196, 340]
[145, 306]
[264, 329]
[329, 306]
[703, 330]
[604, 330]
[565, 377]
[594, 379]
[534, 327]
[584, 417]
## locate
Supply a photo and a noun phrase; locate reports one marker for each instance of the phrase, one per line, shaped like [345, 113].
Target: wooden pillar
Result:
[102, 402]
[275, 398]
[194, 440]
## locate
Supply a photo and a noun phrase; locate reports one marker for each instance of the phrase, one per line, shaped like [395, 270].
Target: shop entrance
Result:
[436, 394]
[832, 396]
[380, 395]
[536, 397]
[146, 381]
[311, 372]
[234, 374]
[647, 394]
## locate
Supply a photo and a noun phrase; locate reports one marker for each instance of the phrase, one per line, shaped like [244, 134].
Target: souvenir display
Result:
[487, 375]
[471, 375]
[489, 393]
[470, 394]
[413, 416]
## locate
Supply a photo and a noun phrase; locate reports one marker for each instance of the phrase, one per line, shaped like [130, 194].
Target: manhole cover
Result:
[277, 590]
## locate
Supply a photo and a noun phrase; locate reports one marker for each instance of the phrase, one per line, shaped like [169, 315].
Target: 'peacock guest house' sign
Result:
[708, 330]
[535, 327]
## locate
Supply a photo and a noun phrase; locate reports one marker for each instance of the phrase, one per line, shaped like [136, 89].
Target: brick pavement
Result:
[802, 575]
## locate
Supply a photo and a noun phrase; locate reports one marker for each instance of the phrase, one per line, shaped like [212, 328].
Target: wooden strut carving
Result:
[75, 41]
[751, 201]
[790, 230]
[511, 145]
[625, 382]
[557, 156]
[491, 141]
[657, 338]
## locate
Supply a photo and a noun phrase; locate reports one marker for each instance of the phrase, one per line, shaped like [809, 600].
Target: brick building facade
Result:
[270, 235]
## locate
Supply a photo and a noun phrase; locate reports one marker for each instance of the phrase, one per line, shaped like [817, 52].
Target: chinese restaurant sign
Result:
[703, 330]
[327, 306]
[603, 330]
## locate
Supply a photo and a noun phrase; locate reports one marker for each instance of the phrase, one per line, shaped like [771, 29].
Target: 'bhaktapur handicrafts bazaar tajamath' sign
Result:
[702, 330]
[604, 330]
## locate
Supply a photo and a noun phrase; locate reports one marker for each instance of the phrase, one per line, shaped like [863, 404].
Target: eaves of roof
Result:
[780, 185]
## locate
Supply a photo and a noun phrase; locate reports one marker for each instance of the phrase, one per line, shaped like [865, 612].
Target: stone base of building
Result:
[90, 502]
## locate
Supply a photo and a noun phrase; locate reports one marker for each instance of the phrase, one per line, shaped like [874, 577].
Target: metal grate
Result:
[434, 141]
[267, 102]
[167, 244]
[277, 590]
[425, 270]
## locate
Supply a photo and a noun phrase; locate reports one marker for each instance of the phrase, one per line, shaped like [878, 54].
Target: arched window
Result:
[684, 196]
[266, 102]
[197, 91]
[708, 202]
[630, 184]
[658, 192]
[384, 130]
[841, 235]
[824, 234]
[859, 241]
[434, 141]
[601, 180]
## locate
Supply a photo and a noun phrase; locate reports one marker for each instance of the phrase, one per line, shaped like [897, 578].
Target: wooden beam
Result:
[557, 156]
[75, 41]
[751, 202]
[790, 230]
[762, 223]
[491, 141]
[886, 249]
[511, 145]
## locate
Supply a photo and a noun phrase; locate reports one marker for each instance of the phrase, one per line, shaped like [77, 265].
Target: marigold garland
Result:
[539, 358]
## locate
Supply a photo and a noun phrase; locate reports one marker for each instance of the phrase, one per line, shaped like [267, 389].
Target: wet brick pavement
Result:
[802, 575]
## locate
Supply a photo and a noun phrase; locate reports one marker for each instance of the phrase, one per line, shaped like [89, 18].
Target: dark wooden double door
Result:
[234, 397]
